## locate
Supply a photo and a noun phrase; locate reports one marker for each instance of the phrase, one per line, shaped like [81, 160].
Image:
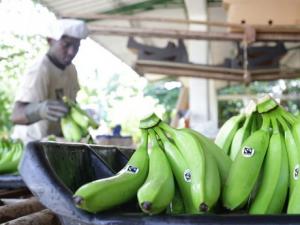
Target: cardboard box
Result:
[263, 12]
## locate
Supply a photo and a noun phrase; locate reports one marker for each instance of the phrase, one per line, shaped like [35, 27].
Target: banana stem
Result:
[161, 134]
[287, 115]
[167, 128]
[266, 122]
[144, 139]
[274, 125]
[283, 123]
[152, 137]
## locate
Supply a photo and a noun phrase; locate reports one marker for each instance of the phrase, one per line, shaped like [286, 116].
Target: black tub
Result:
[52, 171]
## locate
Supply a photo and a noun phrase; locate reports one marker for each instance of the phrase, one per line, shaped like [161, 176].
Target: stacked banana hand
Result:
[172, 171]
[75, 124]
[10, 155]
[264, 145]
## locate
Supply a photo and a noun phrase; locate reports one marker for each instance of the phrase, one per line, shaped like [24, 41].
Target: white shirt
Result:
[45, 81]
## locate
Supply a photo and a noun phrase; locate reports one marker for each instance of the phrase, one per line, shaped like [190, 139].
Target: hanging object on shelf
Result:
[171, 52]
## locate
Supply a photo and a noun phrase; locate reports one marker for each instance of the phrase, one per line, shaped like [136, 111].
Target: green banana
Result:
[157, 192]
[81, 119]
[193, 153]
[106, 193]
[180, 170]
[240, 136]
[212, 181]
[70, 129]
[73, 104]
[243, 132]
[177, 205]
[223, 161]
[279, 199]
[227, 132]
[294, 200]
[256, 122]
[293, 154]
[246, 167]
[272, 170]
[10, 162]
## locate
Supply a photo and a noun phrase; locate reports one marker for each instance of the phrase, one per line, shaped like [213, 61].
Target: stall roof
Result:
[166, 8]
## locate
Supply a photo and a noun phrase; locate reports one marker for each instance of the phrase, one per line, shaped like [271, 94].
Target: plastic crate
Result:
[53, 171]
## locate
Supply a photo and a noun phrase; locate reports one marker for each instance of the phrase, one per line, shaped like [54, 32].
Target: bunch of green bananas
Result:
[179, 171]
[10, 155]
[264, 144]
[75, 124]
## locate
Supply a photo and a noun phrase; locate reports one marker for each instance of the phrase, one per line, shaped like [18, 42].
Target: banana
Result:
[70, 129]
[227, 132]
[239, 137]
[180, 169]
[293, 154]
[223, 161]
[294, 200]
[293, 157]
[157, 192]
[246, 167]
[73, 104]
[256, 122]
[10, 162]
[106, 193]
[177, 205]
[212, 181]
[81, 119]
[279, 199]
[193, 153]
[272, 170]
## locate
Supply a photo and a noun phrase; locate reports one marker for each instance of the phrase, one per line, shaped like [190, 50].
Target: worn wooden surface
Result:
[19, 209]
[44, 217]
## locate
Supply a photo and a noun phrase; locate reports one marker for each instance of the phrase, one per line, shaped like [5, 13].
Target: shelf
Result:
[290, 33]
[213, 72]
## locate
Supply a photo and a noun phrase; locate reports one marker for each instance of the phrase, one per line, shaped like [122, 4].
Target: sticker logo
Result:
[132, 169]
[296, 172]
[248, 152]
[187, 175]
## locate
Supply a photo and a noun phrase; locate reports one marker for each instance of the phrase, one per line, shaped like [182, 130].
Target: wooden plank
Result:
[163, 33]
[188, 34]
[236, 26]
[10, 201]
[44, 217]
[16, 210]
[151, 19]
[15, 193]
[210, 72]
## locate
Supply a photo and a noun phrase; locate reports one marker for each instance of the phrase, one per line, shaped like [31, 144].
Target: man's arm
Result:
[28, 113]
[18, 115]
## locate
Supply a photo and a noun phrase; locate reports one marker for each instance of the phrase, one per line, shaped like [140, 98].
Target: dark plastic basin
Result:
[52, 171]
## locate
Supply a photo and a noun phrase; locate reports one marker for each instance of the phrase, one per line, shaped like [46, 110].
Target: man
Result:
[38, 106]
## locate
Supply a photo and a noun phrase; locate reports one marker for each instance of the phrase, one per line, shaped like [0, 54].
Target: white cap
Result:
[70, 27]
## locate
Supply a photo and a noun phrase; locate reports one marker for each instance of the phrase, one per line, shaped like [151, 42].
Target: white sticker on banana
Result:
[187, 175]
[248, 152]
[296, 172]
[132, 169]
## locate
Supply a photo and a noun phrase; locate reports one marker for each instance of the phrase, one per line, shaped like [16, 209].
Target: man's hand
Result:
[48, 110]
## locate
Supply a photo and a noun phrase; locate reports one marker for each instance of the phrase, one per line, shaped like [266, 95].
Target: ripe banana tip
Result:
[78, 200]
[203, 207]
[146, 206]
